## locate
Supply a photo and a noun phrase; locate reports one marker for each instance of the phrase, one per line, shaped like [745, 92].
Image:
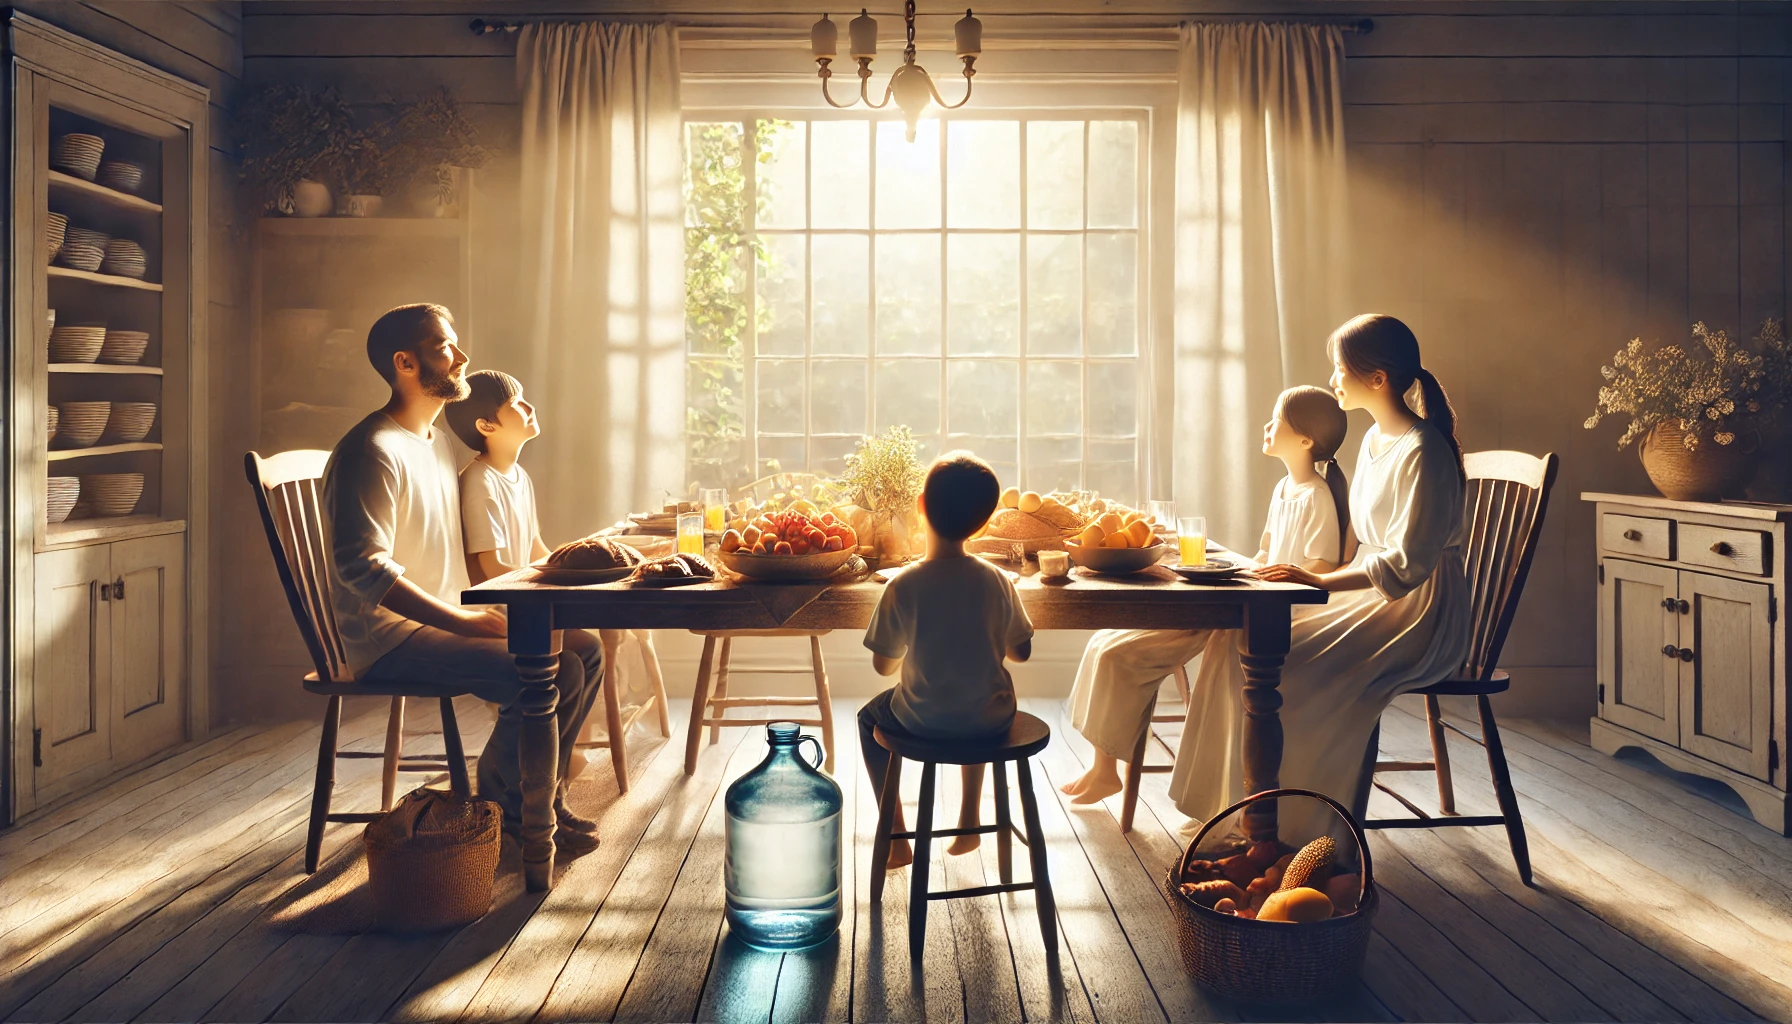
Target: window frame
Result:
[1145, 358]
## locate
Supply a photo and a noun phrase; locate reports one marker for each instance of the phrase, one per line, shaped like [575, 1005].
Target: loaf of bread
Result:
[1297, 906]
[593, 552]
[1310, 861]
[679, 565]
[1209, 893]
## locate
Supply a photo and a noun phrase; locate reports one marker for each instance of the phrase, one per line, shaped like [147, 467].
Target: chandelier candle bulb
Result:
[824, 38]
[863, 33]
[970, 35]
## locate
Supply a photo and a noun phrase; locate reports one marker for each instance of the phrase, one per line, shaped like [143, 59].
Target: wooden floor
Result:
[176, 894]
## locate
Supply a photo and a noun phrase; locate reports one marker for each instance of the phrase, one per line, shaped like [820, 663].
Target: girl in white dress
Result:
[1309, 520]
[1398, 617]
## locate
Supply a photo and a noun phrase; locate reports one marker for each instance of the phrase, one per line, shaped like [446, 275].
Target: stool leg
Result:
[457, 755]
[1502, 789]
[715, 731]
[1440, 756]
[824, 696]
[917, 879]
[1042, 882]
[889, 803]
[323, 783]
[394, 751]
[699, 700]
[1004, 825]
[651, 658]
[1129, 800]
[1183, 687]
[611, 681]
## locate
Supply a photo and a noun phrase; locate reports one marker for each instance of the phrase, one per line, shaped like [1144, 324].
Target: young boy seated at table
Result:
[499, 524]
[946, 624]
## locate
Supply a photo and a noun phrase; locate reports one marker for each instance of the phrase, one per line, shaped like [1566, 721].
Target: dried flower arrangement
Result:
[1714, 388]
[289, 135]
[884, 474]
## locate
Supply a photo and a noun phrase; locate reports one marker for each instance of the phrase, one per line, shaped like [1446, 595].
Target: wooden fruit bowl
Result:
[814, 566]
[1115, 561]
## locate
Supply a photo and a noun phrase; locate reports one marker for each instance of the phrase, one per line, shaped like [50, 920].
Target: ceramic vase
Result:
[362, 205]
[1710, 472]
[310, 199]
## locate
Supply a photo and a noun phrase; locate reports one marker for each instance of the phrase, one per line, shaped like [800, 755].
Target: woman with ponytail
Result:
[1398, 617]
[1308, 525]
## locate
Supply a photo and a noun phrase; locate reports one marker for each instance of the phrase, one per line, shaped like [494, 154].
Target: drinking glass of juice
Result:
[715, 509]
[690, 533]
[1191, 533]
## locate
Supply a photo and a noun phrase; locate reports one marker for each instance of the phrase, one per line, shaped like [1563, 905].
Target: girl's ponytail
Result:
[1434, 405]
[1340, 488]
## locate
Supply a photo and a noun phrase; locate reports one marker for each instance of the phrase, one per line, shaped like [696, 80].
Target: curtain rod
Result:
[1355, 26]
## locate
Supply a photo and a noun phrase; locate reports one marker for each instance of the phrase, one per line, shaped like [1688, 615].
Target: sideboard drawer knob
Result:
[1671, 651]
[1668, 603]
[1722, 547]
[1686, 654]
[1684, 607]
[1633, 535]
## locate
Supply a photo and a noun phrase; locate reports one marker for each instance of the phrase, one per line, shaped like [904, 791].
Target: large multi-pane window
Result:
[981, 285]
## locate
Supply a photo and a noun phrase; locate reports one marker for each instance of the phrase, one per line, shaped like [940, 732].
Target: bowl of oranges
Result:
[1116, 543]
[789, 546]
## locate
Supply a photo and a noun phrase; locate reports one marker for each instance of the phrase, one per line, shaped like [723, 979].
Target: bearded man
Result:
[391, 501]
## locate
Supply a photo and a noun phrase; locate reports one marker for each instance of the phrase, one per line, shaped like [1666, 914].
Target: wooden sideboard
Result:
[1692, 643]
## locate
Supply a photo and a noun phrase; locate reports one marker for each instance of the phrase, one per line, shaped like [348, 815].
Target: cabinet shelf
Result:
[363, 227]
[105, 368]
[107, 279]
[69, 185]
[65, 454]
[75, 532]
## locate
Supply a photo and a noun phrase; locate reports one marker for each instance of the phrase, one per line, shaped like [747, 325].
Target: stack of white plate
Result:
[52, 419]
[55, 231]
[124, 348]
[124, 258]
[83, 249]
[64, 492]
[76, 343]
[109, 494]
[81, 423]
[121, 175]
[129, 422]
[78, 154]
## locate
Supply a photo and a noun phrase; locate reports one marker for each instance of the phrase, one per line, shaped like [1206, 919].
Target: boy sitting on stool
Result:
[946, 623]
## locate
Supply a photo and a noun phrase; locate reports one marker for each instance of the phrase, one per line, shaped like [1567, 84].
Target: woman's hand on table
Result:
[1284, 572]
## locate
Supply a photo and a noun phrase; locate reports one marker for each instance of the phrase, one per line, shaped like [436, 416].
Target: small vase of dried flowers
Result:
[1699, 408]
[884, 478]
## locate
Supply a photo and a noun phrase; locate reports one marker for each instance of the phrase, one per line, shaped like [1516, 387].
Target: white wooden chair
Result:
[287, 488]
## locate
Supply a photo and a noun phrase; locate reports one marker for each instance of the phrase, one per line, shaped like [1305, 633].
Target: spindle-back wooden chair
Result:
[1137, 769]
[288, 487]
[1508, 493]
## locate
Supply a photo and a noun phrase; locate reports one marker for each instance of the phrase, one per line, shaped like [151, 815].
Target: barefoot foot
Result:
[1096, 788]
[964, 844]
[901, 854]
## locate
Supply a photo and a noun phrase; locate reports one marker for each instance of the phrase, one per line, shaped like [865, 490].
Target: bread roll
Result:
[593, 552]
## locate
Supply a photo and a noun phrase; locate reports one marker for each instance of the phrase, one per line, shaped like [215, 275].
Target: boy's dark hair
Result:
[487, 392]
[961, 493]
[401, 330]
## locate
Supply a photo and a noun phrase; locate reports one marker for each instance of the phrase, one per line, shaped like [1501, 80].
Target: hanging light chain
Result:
[908, 14]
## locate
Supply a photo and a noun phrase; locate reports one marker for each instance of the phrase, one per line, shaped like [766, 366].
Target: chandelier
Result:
[909, 85]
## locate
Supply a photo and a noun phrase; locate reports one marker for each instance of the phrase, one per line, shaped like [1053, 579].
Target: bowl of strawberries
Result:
[789, 546]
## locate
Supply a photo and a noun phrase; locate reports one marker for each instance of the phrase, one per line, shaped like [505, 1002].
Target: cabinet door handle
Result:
[118, 589]
[1722, 547]
[1671, 651]
[1667, 603]
[1633, 535]
[105, 589]
[1686, 654]
[1683, 606]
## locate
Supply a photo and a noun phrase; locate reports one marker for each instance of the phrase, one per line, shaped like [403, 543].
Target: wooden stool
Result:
[702, 702]
[1026, 737]
[616, 727]
[1129, 803]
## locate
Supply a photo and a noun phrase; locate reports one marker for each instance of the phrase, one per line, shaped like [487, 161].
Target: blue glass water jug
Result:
[783, 866]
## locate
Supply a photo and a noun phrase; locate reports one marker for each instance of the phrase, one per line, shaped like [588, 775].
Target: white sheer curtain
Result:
[1260, 260]
[602, 268]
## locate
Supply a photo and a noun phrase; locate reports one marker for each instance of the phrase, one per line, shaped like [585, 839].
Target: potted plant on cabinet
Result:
[287, 135]
[1698, 409]
[429, 141]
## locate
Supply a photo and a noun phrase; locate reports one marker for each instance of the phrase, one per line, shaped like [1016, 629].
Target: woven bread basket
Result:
[431, 861]
[1272, 961]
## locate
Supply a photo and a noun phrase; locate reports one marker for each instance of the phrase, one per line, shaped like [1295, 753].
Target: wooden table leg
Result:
[534, 644]
[1266, 636]
[699, 702]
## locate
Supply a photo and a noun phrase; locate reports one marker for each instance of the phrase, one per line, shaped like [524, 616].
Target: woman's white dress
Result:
[1117, 681]
[1350, 657]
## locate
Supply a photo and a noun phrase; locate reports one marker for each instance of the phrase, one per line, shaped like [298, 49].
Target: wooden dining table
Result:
[1153, 599]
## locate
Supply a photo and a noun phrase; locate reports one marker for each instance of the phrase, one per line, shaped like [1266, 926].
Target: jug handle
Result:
[820, 755]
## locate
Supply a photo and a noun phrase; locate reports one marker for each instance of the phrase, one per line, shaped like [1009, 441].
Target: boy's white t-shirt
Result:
[952, 621]
[1302, 526]
[497, 511]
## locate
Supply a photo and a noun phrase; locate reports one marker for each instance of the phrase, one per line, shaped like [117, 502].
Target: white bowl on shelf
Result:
[52, 420]
[81, 256]
[124, 258]
[61, 495]
[120, 176]
[81, 423]
[108, 495]
[55, 233]
[129, 422]
[124, 348]
[77, 343]
[77, 154]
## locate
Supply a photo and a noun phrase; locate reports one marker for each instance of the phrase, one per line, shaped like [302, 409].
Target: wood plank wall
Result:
[1534, 185]
[202, 42]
